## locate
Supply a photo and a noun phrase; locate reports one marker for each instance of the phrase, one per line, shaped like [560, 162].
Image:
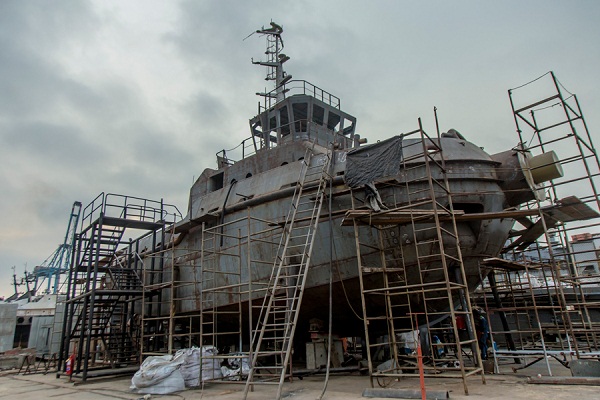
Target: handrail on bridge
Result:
[301, 87]
[129, 207]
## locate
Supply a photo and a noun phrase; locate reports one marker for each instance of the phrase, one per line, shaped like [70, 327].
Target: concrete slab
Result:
[8, 322]
[508, 385]
[585, 368]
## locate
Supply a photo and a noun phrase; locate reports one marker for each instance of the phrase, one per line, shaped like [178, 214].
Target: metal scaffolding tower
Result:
[557, 125]
[105, 281]
[522, 294]
[168, 322]
[546, 288]
[212, 311]
[431, 276]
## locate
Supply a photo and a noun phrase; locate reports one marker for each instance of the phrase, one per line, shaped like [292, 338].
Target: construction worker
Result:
[482, 329]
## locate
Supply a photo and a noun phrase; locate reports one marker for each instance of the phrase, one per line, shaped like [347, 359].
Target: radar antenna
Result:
[274, 62]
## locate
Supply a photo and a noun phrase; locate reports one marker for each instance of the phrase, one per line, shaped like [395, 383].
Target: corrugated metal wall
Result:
[8, 321]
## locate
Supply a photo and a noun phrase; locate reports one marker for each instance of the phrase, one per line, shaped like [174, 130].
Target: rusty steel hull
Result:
[267, 196]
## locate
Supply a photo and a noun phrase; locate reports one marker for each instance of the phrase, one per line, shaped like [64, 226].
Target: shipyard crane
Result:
[58, 262]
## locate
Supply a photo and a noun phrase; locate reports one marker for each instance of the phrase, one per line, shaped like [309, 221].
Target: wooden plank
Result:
[507, 265]
[563, 380]
[376, 269]
[406, 216]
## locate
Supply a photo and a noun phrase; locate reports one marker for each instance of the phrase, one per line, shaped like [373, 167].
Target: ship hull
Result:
[473, 185]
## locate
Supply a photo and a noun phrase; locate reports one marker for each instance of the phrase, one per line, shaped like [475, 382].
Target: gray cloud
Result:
[137, 98]
[49, 143]
[31, 32]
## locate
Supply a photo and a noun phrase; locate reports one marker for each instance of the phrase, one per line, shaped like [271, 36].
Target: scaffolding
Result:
[225, 293]
[207, 294]
[414, 294]
[163, 328]
[546, 288]
[196, 300]
[526, 316]
[235, 287]
[105, 286]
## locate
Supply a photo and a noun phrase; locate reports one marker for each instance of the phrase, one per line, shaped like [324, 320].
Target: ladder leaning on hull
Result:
[272, 338]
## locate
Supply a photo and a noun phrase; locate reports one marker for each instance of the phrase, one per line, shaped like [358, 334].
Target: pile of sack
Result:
[159, 375]
[235, 368]
[172, 373]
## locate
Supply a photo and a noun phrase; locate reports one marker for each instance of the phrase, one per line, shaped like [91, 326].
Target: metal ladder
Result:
[273, 336]
[98, 245]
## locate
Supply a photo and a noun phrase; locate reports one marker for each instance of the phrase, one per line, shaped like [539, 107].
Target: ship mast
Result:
[274, 62]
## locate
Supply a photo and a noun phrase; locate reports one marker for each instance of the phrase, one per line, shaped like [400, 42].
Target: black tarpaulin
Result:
[369, 163]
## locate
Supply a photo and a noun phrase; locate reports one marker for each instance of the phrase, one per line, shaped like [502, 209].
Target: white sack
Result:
[159, 375]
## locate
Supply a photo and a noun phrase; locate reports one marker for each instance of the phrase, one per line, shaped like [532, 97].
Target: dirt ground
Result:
[507, 385]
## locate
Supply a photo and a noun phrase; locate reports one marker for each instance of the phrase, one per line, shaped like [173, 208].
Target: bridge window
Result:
[318, 114]
[333, 121]
[348, 127]
[216, 182]
[284, 121]
[300, 116]
[257, 128]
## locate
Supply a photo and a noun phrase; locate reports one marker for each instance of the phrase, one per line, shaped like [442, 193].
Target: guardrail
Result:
[301, 87]
[313, 133]
[129, 207]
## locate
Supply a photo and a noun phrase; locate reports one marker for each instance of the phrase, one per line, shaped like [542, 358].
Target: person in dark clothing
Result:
[483, 331]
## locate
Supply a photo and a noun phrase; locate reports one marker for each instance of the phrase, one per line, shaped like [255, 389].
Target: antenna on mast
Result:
[274, 62]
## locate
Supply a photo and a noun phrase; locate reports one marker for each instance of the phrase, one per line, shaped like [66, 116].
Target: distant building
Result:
[579, 258]
[586, 251]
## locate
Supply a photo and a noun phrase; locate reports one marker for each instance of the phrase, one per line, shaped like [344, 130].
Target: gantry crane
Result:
[58, 262]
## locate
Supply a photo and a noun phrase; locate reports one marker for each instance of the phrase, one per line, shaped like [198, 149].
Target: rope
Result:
[536, 79]
[329, 335]
[344, 287]
[566, 90]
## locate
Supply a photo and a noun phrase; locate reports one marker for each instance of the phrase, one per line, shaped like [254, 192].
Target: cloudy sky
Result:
[136, 97]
